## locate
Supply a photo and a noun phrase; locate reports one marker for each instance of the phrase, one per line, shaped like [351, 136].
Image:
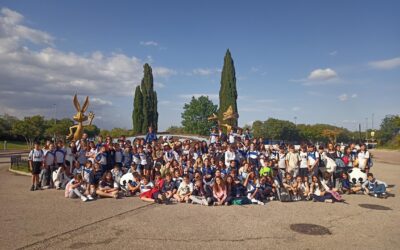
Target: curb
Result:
[18, 172]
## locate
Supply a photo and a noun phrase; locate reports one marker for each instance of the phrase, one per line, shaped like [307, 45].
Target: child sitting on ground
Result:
[374, 187]
[75, 188]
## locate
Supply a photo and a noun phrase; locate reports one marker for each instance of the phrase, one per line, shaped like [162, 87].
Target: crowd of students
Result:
[227, 169]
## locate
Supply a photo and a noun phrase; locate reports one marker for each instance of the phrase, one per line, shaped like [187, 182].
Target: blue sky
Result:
[334, 62]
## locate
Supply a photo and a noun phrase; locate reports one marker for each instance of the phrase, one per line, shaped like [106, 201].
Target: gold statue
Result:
[227, 115]
[80, 117]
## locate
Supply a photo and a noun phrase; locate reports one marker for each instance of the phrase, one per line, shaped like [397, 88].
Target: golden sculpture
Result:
[80, 117]
[227, 115]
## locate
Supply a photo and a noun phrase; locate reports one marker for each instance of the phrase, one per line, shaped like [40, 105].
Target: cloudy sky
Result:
[332, 62]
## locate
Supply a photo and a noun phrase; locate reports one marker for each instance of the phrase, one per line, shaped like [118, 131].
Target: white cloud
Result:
[204, 71]
[296, 108]
[333, 53]
[213, 97]
[45, 75]
[99, 101]
[265, 100]
[149, 43]
[322, 75]
[386, 64]
[159, 85]
[12, 30]
[343, 97]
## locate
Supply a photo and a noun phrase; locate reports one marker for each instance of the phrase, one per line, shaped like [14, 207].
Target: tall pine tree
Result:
[137, 114]
[228, 92]
[145, 104]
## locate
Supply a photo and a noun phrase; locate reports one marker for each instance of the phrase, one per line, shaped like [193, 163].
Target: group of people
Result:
[228, 169]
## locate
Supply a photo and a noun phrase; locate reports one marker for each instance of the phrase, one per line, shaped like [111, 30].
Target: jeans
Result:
[379, 189]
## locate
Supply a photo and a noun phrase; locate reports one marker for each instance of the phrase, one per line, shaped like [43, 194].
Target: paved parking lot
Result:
[45, 219]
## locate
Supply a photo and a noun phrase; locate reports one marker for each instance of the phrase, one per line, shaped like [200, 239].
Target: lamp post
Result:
[55, 121]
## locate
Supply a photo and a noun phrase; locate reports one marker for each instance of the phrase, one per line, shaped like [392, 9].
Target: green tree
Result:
[280, 130]
[31, 128]
[92, 131]
[175, 130]
[150, 114]
[6, 124]
[228, 93]
[390, 127]
[258, 129]
[195, 115]
[145, 107]
[137, 114]
[59, 129]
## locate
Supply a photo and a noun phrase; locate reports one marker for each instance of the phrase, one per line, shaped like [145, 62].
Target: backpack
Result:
[370, 162]
[284, 195]
[241, 201]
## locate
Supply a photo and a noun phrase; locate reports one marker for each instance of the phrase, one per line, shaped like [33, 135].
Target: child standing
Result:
[35, 165]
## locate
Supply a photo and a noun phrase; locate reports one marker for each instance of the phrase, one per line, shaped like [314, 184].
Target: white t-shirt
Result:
[362, 159]
[303, 159]
[282, 161]
[49, 158]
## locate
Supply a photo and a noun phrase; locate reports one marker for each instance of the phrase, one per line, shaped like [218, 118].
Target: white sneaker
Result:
[376, 195]
[90, 197]
[204, 202]
[260, 203]
[83, 198]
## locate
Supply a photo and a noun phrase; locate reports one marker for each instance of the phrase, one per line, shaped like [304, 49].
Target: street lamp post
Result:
[55, 121]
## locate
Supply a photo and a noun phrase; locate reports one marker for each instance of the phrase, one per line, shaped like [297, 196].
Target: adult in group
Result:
[150, 136]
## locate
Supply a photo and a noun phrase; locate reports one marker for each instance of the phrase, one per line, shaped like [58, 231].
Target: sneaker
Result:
[83, 198]
[376, 195]
[90, 197]
[260, 203]
[328, 201]
[33, 188]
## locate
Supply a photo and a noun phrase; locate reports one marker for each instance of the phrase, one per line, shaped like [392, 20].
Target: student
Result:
[290, 185]
[374, 187]
[363, 157]
[292, 161]
[101, 159]
[49, 167]
[301, 189]
[348, 159]
[282, 162]
[117, 174]
[59, 154]
[345, 184]
[169, 189]
[303, 168]
[36, 161]
[266, 170]
[313, 159]
[146, 187]
[184, 191]
[75, 188]
[106, 188]
[88, 175]
[127, 156]
[252, 188]
[150, 136]
[130, 183]
[118, 155]
[318, 192]
[253, 156]
[219, 192]
[198, 195]
[60, 178]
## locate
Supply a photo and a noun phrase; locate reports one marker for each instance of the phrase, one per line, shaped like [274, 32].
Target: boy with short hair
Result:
[374, 187]
[35, 164]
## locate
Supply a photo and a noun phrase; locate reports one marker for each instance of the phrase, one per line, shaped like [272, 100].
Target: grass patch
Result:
[14, 145]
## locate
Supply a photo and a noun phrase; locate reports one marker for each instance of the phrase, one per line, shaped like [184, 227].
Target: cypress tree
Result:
[150, 114]
[137, 114]
[228, 92]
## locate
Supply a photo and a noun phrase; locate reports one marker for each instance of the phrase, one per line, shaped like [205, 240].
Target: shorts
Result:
[36, 167]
